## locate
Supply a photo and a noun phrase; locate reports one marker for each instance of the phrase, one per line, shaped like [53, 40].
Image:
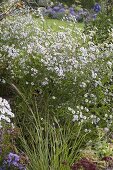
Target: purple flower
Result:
[97, 7]
[60, 5]
[94, 16]
[62, 10]
[49, 9]
[71, 9]
[53, 14]
[72, 13]
[56, 8]
[14, 160]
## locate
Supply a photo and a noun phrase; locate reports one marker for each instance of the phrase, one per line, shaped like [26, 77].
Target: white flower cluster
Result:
[5, 111]
[61, 52]
[80, 115]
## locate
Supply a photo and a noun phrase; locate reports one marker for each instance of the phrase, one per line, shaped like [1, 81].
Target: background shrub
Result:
[102, 25]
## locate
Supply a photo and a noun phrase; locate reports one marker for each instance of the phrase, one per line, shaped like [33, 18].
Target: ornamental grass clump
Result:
[48, 145]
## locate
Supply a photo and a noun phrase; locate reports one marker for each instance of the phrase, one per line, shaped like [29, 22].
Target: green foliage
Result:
[103, 146]
[102, 25]
[7, 142]
[87, 4]
[100, 150]
[66, 2]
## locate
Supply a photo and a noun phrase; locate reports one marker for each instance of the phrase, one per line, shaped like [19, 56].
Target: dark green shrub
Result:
[87, 4]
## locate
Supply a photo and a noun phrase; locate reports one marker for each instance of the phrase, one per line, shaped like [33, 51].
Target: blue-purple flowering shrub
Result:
[63, 12]
[74, 12]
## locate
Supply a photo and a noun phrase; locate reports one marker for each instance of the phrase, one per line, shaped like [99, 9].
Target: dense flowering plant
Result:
[61, 69]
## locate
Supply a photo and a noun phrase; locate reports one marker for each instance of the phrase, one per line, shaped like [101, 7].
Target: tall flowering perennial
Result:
[66, 68]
